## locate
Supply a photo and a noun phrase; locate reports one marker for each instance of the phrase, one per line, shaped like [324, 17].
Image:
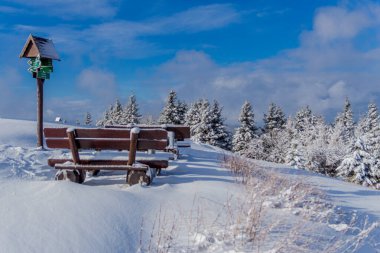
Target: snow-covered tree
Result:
[170, 113]
[294, 153]
[148, 120]
[203, 129]
[131, 111]
[370, 130]
[88, 119]
[116, 114]
[106, 120]
[182, 110]
[274, 119]
[219, 136]
[358, 167]
[304, 117]
[193, 116]
[246, 131]
[294, 156]
[341, 136]
[344, 124]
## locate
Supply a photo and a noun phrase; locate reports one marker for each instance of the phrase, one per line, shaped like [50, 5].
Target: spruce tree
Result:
[343, 128]
[170, 114]
[219, 136]
[357, 167]
[275, 119]
[182, 110]
[203, 129]
[193, 116]
[88, 119]
[116, 114]
[246, 132]
[304, 117]
[131, 111]
[106, 120]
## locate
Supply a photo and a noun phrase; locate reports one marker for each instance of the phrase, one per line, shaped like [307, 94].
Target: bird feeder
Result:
[41, 53]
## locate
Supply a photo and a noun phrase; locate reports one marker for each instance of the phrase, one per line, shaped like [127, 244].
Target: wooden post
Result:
[40, 113]
[73, 145]
[133, 146]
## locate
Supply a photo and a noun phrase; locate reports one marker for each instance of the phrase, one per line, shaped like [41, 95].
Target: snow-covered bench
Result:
[176, 134]
[115, 142]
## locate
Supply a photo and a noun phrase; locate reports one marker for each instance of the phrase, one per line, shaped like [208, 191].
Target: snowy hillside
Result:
[196, 205]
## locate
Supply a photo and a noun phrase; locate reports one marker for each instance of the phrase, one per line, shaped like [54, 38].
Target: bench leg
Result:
[93, 173]
[76, 176]
[136, 177]
[82, 176]
[71, 175]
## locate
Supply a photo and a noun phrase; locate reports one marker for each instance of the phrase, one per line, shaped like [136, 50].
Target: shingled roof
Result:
[35, 46]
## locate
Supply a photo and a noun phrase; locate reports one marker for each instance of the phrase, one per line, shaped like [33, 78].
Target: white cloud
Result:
[130, 39]
[321, 72]
[9, 10]
[337, 22]
[98, 83]
[70, 9]
[16, 101]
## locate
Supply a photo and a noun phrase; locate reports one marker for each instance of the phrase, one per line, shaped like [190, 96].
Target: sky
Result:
[292, 53]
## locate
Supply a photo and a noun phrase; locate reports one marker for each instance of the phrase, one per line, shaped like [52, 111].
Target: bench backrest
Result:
[106, 139]
[181, 132]
[110, 139]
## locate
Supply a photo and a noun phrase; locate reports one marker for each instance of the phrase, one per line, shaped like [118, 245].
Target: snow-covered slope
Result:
[177, 213]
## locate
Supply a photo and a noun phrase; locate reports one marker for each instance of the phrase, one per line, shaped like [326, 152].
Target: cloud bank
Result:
[330, 63]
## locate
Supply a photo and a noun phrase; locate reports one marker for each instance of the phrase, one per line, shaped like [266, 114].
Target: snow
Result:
[190, 203]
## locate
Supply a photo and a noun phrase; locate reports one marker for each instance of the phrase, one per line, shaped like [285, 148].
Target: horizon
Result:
[290, 53]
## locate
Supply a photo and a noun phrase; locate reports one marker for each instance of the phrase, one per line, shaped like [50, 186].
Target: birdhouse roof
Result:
[37, 46]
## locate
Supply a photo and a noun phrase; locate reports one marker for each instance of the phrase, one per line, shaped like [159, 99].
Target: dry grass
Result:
[272, 214]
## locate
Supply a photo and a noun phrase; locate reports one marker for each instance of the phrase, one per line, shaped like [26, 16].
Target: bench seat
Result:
[107, 149]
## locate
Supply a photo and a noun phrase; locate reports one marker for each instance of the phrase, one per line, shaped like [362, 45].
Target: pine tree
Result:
[148, 120]
[219, 136]
[344, 123]
[294, 155]
[170, 114]
[193, 116]
[275, 119]
[88, 119]
[371, 131]
[182, 110]
[246, 132]
[357, 166]
[202, 130]
[304, 117]
[106, 120]
[131, 112]
[116, 114]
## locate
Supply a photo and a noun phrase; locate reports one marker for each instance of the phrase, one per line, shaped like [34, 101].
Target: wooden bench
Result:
[132, 140]
[176, 134]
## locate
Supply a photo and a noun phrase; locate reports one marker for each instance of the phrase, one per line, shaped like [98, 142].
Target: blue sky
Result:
[293, 53]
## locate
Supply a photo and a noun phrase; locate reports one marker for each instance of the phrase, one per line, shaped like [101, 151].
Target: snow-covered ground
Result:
[196, 205]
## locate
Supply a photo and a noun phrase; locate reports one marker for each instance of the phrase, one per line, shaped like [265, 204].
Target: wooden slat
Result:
[141, 167]
[105, 144]
[153, 134]
[181, 132]
[103, 133]
[58, 143]
[143, 145]
[55, 132]
[159, 164]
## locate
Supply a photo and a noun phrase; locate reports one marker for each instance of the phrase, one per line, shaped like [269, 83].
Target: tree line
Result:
[344, 148]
